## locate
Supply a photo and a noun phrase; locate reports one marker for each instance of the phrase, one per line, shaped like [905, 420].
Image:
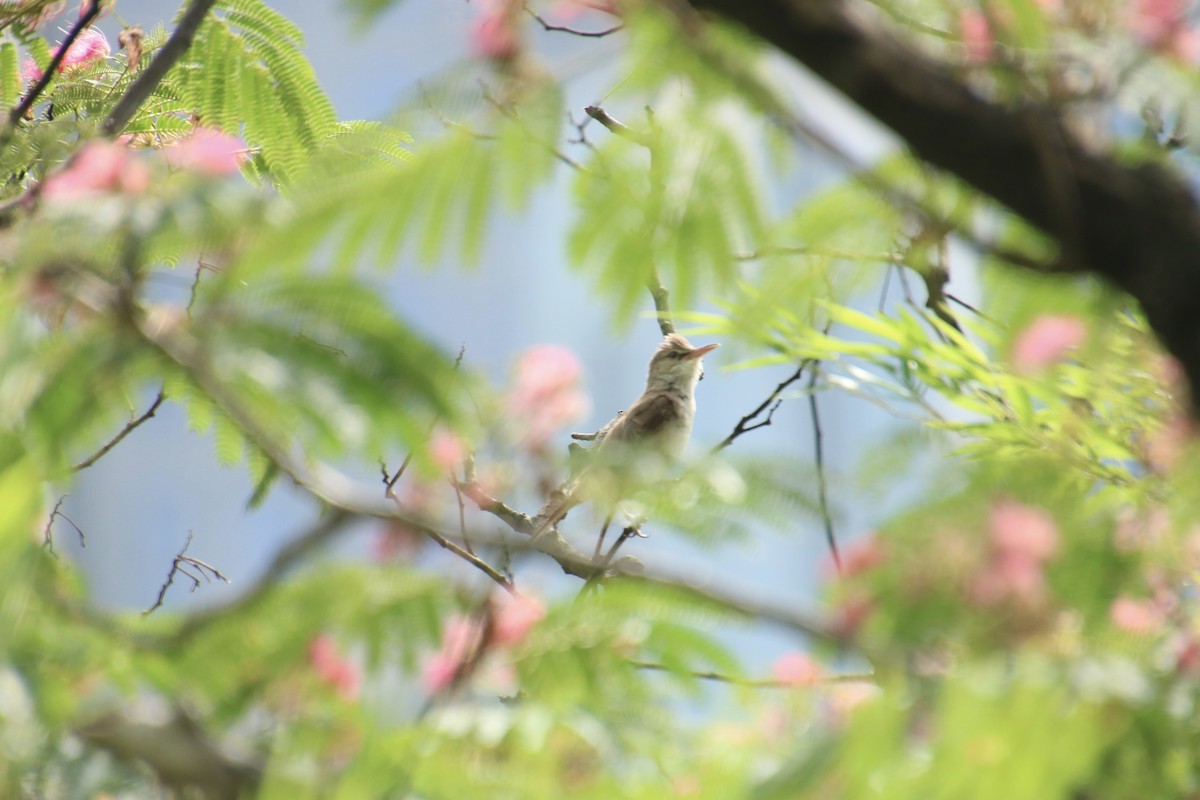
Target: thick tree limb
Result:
[1136, 225]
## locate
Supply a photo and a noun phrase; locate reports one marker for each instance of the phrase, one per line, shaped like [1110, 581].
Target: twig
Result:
[47, 535]
[462, 517]
[508, 111]
[18, 112]
[563, 29]
[616, 126]
[819, 456]
[288, 556]
[128, 429]
[773, 401]
[179, 565]
[658, 292]
[759, 683]
[148, 80]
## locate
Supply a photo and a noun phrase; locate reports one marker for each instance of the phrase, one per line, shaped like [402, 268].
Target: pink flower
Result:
[1023, 538]
[1166, 446]
[976, 34]
[207, 151]
[494, 31]
[1161, 25]
[447, 450]
[850, 615]
[1022, 531]
[1046, 342]
[88, 48]
[796, 669]
[396, 542]
[1136, 616]
[340, 673]
[99, 167]
[547, 395]
[863, 555]
[461, 640]
[513, 617]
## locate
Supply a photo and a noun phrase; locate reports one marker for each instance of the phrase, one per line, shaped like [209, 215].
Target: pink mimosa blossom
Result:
[495, 31]
[447, 450]
[513, 617]
[1166, 446]
[98, 168]
[461, 640]
[863, 555]
[1022, 531]
[797, 669]
[1162, 26]
[339, 672]
[547, 395]
[207, 151]
[976, 34]
[1136, 616]
[1046, 341]
[1023, 538]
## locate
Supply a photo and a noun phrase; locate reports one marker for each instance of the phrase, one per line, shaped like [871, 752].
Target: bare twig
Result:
[166, 57]
[47, 534]
[563, 29]
[759, 683]
[18, 112]
[654, 284]
[773, 401]
[128, 429]
[616, 126]
[819, 457]
[179, 565]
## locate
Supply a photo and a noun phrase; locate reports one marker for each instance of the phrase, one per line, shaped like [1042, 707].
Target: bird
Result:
[642, 443]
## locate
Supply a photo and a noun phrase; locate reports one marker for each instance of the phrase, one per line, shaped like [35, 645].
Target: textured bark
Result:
[1136, 225]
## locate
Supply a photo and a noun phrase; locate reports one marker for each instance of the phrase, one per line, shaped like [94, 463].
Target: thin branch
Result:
[18, 112]
[768, 406]
[507, 110]
[167, 56]
[819, 457]
[295, 551]
[563, 29]
[759, 683]
[616, 126]
[47, 534]
[129, 428]
[180, 565]
[658, 292]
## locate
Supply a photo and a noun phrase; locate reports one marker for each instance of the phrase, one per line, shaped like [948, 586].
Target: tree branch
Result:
[128, 429]
[18, 112]
[1136, 225]
[654, 284]
[148, 80]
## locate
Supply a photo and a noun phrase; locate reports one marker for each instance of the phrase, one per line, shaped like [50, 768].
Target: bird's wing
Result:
[645, 418]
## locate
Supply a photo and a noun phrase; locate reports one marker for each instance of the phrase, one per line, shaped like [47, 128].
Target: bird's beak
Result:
[700, 352]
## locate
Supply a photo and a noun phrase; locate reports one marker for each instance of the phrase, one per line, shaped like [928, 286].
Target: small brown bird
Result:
[641, 445]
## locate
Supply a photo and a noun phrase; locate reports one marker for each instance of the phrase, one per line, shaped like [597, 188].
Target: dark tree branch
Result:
[128, 429]
[654, 284]
[180, 565]
[148, 80]
[48, 533]
[563, 29]
[760, 683]
[819, 459]
[768, 406]
[1136, 225]
[18, 112]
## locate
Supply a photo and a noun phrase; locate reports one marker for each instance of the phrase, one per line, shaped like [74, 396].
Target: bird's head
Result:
[676, 362]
